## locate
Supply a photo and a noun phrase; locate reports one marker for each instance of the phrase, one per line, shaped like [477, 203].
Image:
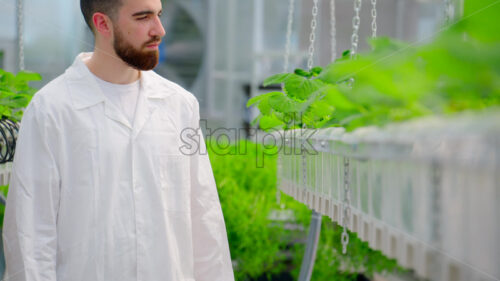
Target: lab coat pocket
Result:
[174, 178]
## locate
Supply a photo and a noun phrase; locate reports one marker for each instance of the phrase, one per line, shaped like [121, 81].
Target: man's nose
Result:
[157, 29]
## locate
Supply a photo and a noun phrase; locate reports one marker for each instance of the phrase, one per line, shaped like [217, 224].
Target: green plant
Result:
[459, 70]
[15, 93]
[264, 247]
[246, 196]
[4, 189]
[331, 264]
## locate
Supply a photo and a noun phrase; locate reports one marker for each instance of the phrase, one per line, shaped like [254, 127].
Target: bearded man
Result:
[100, 190]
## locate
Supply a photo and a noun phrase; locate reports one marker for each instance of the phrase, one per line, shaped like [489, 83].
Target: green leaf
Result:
[314, 97]
[480, 20]
[264, 107]
[351, 118]
[334, 97]
[270, 122]
[28, 76]
[340, 71]
[300, 87]
[284, 104]
[303, 73]
[322, 109]
[4, 189]
[259, 98]
[18, 115]
[5, 111]
[276, 79]
[6, 92]
[255, 121]
[386, 44]
[12, 103]
[7, 78]
[316, 71]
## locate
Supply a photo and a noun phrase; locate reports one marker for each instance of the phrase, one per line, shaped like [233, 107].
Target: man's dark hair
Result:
[107, 7]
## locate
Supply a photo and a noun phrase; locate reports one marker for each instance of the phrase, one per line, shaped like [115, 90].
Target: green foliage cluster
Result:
[459, 70]
[247, 193]
[331, 264]
[15, 93]
[4, 189]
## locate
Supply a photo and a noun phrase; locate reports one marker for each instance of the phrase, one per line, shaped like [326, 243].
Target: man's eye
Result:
[142, 18]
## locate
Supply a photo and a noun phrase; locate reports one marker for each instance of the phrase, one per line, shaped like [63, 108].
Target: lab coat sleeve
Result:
[29, 230]
[212, 261]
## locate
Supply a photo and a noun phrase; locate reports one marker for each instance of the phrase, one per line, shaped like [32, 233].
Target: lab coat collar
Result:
[85, 91]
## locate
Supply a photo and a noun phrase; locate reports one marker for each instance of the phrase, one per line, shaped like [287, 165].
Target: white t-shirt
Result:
[123, 96]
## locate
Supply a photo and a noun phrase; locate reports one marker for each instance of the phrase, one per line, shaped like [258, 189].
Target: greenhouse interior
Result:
[348, 139]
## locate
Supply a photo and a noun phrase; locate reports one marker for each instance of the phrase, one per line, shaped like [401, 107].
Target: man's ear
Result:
[102, 24]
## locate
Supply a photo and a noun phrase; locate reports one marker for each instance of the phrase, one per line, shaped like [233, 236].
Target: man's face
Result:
[138, 32]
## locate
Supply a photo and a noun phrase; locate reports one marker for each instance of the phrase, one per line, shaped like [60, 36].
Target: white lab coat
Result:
[93, 198]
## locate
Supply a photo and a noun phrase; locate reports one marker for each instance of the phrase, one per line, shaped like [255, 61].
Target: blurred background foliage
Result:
[459, 70]
[16, 93]
[267, 249]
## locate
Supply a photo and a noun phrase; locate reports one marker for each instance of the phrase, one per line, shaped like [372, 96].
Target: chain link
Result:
[312, 36]
[346, 206]
[333, 30]
[20, 33]
[291, 8]
[355, 28]
[374, 18]
[347, 191]
[356, 20]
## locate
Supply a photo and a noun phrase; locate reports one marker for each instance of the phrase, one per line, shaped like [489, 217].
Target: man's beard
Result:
[136, 58]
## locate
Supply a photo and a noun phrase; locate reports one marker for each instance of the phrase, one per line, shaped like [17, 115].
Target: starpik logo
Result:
[291, 142]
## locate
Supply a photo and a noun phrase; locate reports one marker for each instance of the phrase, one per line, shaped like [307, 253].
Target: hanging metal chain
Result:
[347, 191]
[356, 20]
[20, 33]
[346, 206]
[291, 8]
[312, 36]
[374, 18]
[333, 30]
